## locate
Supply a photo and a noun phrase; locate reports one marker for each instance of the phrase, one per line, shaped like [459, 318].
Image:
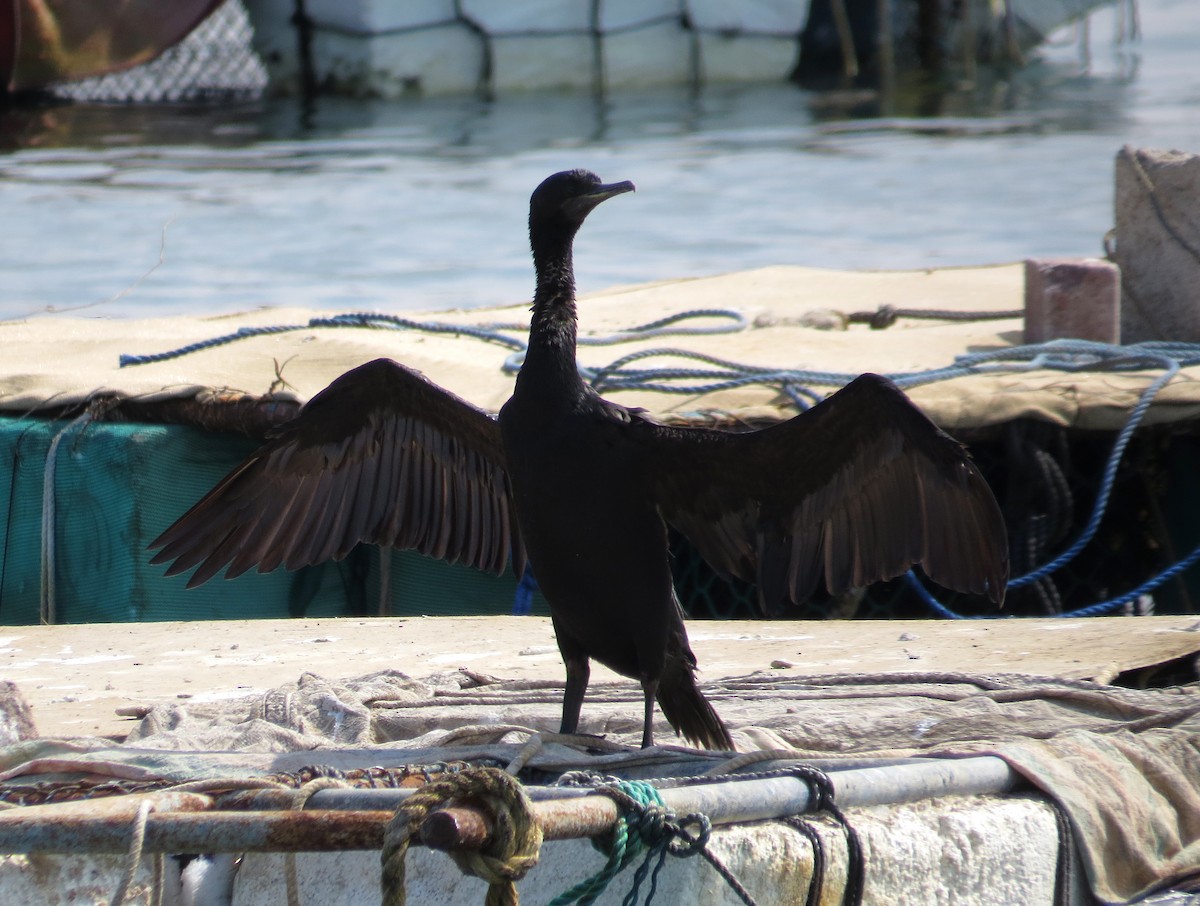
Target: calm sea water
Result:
[422, 205]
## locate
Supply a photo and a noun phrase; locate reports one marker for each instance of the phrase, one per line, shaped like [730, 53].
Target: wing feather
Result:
[859, 488]
[381, 456]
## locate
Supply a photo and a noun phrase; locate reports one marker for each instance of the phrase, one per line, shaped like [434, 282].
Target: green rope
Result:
[618, 844]
[646, 825]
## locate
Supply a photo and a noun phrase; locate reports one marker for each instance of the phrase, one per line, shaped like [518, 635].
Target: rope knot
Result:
[884, 316]
[657, 833]
[820, 785]
[512, 848]
[684, 844]
[653, 824]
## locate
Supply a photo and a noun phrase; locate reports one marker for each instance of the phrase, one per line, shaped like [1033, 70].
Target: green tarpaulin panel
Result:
[114, 487]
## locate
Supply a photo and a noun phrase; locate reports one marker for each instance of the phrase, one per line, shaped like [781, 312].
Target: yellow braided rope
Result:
[512, 848]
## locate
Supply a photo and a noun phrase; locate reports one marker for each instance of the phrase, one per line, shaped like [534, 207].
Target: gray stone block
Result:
[16, 719]
[1158, 244]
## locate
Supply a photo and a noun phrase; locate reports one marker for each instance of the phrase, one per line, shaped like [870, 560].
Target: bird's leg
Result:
[578, 672]
[650, 690]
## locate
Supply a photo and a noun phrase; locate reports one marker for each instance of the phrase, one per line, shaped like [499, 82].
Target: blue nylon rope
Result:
[1100, 608]
[492, 333]
[1171, 357]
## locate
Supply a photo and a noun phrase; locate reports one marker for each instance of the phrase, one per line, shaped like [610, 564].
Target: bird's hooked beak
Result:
[581, 205]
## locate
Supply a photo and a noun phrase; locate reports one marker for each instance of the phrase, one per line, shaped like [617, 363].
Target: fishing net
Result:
[215, 62]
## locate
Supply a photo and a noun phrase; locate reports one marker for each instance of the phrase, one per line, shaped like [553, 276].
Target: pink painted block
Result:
[1076, 298]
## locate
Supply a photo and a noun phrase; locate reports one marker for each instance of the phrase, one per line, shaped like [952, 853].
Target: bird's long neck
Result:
[550, 360]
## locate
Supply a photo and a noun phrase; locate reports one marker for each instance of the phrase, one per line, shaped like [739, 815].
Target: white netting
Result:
[215, 61]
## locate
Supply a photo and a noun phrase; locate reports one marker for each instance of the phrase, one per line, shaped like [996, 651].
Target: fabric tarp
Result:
[55, 361]
[1122, 763]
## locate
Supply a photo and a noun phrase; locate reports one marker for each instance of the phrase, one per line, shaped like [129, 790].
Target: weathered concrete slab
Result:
[1158, 244]
[963, 850]
[75, 677]
[957, 850]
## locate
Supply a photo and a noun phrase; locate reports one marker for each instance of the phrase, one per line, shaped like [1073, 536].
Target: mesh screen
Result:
[1047, 479]
[116, 486]
[215, 62]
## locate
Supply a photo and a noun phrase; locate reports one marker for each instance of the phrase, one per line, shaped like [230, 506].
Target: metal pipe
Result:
[743, 800]
[979, 775]
[389, 798]
[104, 825]
[348, 799]
[24, 831]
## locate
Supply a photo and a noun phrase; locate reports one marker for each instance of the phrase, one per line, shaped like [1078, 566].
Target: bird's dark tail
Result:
[687, 710]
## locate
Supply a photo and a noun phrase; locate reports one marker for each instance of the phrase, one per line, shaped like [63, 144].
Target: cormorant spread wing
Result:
[857, 489]
[383, 456]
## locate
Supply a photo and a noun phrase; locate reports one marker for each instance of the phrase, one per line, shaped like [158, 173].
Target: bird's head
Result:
[560, 204]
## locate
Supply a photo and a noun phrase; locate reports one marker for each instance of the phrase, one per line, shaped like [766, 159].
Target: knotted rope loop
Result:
[300, 799]
[882, 317]
[133, 857]
[821, 789]
[638, 802]
[887, 315]
[511, 850]
[646, 826]
[685, 845]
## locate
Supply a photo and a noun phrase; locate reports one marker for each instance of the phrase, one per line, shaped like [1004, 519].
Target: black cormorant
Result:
[859, 488]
